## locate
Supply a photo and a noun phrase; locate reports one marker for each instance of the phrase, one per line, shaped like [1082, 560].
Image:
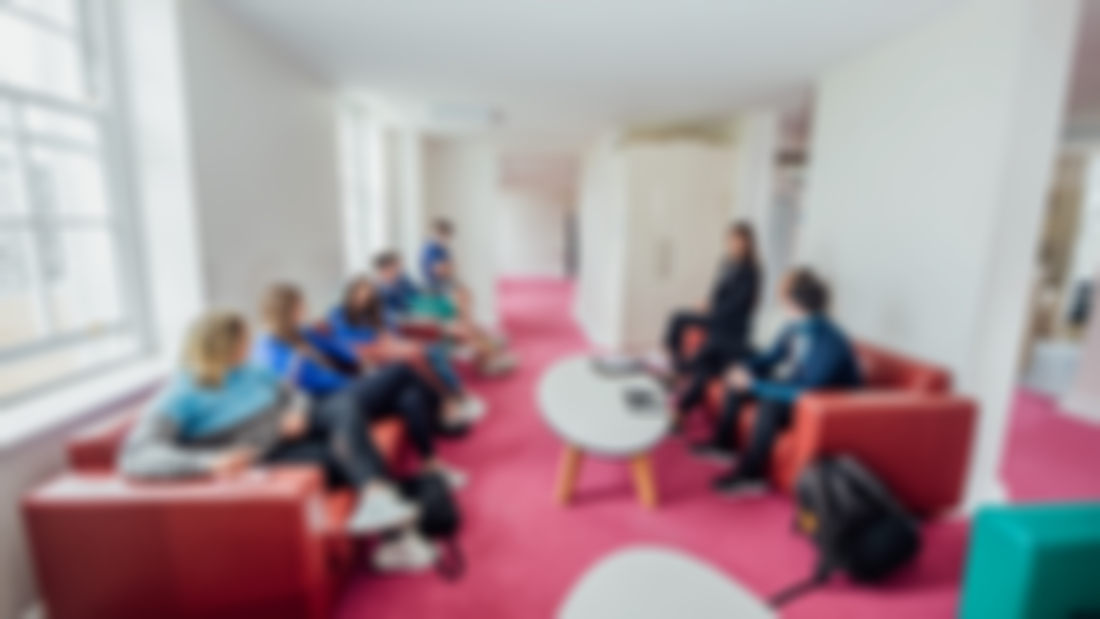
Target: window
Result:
[68, 298]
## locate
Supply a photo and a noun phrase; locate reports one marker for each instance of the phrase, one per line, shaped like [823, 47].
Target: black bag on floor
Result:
[857, 525]
[440, 520]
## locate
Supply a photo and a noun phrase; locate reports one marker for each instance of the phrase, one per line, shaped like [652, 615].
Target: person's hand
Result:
[293, 424]
[234, 462]
[739, 378]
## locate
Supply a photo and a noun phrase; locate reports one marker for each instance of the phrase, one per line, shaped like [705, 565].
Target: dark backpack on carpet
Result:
[857, 525]
[440, 520]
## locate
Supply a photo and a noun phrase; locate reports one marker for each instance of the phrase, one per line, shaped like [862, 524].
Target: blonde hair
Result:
[212, 346]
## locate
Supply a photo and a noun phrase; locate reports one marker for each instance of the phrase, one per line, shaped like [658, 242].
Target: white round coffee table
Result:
[591, 414]
[657, 583]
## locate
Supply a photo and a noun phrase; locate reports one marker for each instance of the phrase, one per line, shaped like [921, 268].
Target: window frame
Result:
[102, 108]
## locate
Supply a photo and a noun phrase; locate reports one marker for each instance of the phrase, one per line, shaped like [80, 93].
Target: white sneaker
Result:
[406, 553]
[499, 364]
[456, 479]
[381, 509]
[473, 409]
[462, 354]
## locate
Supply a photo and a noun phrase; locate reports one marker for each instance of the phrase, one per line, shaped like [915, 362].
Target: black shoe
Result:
[714, 453]
[736, 484]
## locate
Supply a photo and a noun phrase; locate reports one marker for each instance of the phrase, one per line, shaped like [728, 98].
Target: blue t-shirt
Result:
[201, 411]
[399, 296]
[433, 254]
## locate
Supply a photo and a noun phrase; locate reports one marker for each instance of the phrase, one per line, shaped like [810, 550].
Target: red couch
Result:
[267, 545]
[905, 425]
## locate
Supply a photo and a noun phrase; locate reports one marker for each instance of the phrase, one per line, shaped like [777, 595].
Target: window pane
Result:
[37, 59]
[67, 182]
[64, 126]
[82, 279]
[60, 12]
[41, 370]
[11, 194]
[22, 319]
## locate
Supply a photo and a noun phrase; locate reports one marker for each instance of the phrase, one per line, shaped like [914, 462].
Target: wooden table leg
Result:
[644, 482]
[571, 462]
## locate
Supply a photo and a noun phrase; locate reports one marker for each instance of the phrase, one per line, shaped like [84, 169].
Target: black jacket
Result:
[733, 303]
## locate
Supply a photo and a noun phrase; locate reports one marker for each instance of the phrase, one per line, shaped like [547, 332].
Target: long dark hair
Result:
[745, 232]
[372, 314]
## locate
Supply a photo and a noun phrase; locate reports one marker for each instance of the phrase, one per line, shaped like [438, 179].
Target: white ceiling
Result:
[561, 63]
[579, 65]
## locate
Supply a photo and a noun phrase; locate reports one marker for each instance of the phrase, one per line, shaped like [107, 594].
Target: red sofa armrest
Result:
[95, 449]
[250, 547]
[919, 445]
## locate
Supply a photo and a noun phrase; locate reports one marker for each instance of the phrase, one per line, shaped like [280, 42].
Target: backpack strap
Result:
[452, 561]
[870, 486]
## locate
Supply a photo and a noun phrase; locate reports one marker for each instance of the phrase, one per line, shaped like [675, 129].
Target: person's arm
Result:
[738, 298]
[152, 451]
[764, 364]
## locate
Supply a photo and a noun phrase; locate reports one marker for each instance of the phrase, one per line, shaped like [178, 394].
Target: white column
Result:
[931, 162]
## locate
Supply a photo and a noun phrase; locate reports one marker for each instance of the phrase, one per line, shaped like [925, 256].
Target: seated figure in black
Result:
[812, 354]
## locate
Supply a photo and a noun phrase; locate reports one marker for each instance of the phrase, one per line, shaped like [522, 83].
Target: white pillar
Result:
[932, 158]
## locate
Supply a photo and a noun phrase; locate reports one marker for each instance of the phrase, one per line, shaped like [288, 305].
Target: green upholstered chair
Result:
[1034, 562]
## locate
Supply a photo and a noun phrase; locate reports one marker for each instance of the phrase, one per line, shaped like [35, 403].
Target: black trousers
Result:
[677, 327]
[398, 391]
[337, 442]
[772, 418]
[710, 363]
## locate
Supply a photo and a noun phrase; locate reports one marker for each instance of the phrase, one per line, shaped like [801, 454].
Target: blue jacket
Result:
[433, 254]
[348, 334]
[820, 357]
[303, 371]
[200, 411]
[398, 298]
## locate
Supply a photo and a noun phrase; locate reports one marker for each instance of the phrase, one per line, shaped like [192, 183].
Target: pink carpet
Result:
[1050, 456]
[526, 553]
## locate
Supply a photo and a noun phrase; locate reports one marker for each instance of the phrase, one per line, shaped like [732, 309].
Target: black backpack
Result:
[440, 520]
[858, 527]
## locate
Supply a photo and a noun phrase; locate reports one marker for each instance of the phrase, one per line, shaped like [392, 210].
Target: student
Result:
[727, 322]
[322, 367]
[445, 303]
[361, 323]
[396, 289]
[219, 416]
[812, 354]
[436, 252]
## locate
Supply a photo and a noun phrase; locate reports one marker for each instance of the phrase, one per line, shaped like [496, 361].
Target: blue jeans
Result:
[439, 357]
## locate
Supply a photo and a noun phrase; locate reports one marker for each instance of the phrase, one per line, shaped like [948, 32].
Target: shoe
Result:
[714, 453]
[473, 409]
[456, 479]
[499, 365]
[462, 354]
[406, 553]
[381, 509]
[738, 485]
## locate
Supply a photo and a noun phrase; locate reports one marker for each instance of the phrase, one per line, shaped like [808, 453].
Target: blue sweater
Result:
[398, 298]
[200, 411]
[819, 357]
[348, 334]
[303, 371]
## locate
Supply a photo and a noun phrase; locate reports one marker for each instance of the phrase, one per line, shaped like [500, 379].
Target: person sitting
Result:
[812, 354]
[436, 251]
[322, 367]
[443, 302]
[219, 416]
[727, 322]
[360, 322]
[396, 289]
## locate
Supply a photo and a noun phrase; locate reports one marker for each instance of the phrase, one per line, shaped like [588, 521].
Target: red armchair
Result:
[267, 545]
[905, 425]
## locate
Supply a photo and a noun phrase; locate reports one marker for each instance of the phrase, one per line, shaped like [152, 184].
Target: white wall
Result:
[931, 162]
[460, 179]
[265, 150]
[538, 193]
